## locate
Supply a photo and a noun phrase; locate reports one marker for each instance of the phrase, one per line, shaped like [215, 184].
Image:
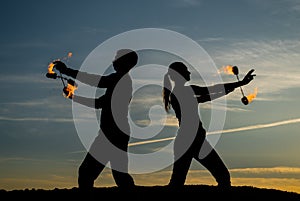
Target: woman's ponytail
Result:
[167, 92]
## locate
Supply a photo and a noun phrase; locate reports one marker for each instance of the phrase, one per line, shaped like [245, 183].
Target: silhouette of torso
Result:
[114, 104]
[190, 130]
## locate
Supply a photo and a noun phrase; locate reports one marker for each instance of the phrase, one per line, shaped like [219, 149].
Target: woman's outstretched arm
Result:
[209, 93]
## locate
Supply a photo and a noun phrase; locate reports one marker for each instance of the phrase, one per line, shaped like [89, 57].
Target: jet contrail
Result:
[150, 141]
[231, 130]
[257, 126]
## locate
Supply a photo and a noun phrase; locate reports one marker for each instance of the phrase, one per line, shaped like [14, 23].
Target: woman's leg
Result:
[215, 165]
[180, 169]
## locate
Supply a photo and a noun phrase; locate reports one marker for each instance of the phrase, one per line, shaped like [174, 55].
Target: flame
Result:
[227, 69]
[66, 58]
[251, 97]
[50, 68]
[71, 90]
[70, 54]
[51, 65]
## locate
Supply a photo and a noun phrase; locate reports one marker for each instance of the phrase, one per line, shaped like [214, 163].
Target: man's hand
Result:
[60, 66]
[248, 77]
[68, 93]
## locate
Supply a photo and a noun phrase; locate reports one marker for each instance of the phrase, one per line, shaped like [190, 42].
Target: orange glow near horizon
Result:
[254, 177]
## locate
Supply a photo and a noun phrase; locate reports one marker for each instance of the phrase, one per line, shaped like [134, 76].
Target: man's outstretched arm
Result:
[84, 77]
[89, 102]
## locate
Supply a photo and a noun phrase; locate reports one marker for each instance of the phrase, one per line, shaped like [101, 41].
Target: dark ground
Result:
[154, 193]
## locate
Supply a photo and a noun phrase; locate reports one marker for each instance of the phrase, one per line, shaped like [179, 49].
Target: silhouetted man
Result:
[111, 144]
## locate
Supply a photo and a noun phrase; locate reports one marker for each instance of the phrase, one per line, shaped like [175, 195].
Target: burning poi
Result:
[235, 71]
[71, 85]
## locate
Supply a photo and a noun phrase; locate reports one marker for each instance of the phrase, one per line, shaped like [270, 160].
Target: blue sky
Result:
[39, 146]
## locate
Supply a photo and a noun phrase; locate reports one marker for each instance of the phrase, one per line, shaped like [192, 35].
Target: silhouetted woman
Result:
[190, 142]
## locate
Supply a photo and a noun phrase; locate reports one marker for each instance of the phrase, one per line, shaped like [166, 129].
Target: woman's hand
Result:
[248, 77]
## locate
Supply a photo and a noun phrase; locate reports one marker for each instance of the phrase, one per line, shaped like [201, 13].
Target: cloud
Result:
[52, 109]
[157, 121]
[33, 103]
[296, 6]
[211, 39]
[281, 178]
[187, 3]
[26, 78]
[43, 119]
[276, 63]
[27, 44]
[93, 30]
[57, 120]
[49, 102]
[258, 172]
[275, 172]
[277, 7]
[7, 159]
[148, 100]
[223, 107]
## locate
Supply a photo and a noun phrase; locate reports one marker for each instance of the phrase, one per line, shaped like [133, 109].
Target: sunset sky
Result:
[39, 144]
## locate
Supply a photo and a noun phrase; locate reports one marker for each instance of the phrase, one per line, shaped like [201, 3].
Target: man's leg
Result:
[89, 170]
[119, 165]
[123, 180]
